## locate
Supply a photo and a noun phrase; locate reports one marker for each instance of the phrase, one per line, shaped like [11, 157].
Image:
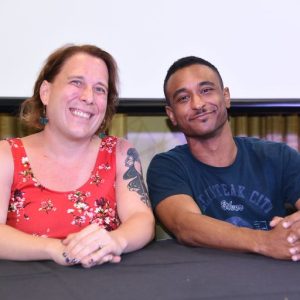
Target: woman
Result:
[67, 194]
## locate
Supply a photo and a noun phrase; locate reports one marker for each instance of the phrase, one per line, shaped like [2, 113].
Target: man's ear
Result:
[226, 94]
[45, 91]
[170, 114]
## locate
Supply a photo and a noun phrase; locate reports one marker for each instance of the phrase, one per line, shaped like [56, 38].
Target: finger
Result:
[81, 244]
[110, 258]
[295, 251]
[104, 254]
[116, 259]
[91, 262]
[292, 238]
[75, 237]
[294, 233]
[275, 221]
[85, 242]
[296, 257]
[85, 247]
[291, 219]
[69, 238]
[68, 261]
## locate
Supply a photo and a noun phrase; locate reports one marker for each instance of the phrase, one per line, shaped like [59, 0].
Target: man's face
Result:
[198, 104]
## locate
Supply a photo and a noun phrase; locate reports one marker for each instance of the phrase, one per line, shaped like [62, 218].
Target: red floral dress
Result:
[40, 211]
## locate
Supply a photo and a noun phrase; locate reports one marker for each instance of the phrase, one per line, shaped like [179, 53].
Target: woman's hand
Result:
[57, 252]
[93, 246]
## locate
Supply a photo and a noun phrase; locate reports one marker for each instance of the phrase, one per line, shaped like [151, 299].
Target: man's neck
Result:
[217, 151]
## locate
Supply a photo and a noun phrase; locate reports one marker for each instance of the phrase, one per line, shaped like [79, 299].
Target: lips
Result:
[202, 114]
[81, 114]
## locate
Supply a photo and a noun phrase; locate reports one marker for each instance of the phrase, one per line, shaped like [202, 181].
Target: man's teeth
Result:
[81, 114]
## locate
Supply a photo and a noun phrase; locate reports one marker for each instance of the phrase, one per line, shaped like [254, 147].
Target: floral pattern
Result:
[96, 179]
[27, 174]
[108, 144]
[50, 212]
[18, 204]
[47, 206]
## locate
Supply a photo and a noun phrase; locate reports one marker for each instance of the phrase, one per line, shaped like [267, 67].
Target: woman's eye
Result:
[76, 82]
[100, 90]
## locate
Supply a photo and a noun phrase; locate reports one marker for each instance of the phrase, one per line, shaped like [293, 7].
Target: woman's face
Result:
[77, 98]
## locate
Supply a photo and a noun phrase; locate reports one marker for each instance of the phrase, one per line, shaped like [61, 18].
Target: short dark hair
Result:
[32, 108]
[186, 62]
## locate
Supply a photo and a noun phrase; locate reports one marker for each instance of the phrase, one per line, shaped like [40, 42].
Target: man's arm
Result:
[292, 224]
[181, 216]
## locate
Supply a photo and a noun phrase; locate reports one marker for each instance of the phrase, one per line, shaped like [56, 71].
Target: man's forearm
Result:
[205, 231]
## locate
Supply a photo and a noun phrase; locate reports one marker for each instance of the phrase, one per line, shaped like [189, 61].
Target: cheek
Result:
[183, 114]
[102, 104]
[223, 114]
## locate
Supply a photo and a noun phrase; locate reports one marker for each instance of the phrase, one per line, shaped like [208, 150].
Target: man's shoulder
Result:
[175, 155]
[177, 150]
[257, 143]
[265, 148]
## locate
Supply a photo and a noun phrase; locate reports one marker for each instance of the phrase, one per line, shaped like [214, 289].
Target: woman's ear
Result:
[45, 91]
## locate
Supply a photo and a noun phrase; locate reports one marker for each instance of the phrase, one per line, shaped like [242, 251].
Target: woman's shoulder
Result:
[124, 143]
[121, 144]
[6, 158]
[5, 146]
[125, 149]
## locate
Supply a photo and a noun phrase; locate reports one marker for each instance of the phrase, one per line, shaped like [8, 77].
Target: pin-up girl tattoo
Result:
[137, 183]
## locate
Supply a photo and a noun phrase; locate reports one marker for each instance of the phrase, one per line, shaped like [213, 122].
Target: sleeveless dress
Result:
[39, 211]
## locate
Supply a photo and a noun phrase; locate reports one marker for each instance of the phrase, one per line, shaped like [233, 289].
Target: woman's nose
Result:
[87, 94]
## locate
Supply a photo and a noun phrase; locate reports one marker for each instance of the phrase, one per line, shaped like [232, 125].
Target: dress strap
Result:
[19, 156]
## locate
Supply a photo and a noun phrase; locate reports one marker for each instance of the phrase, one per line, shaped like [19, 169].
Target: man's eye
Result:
[206, 91]
[182, 98]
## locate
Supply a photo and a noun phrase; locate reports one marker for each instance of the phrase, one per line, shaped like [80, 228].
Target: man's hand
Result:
[292, 224]
[275, 242]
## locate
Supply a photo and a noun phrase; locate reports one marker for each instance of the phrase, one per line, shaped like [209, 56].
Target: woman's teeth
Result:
[81, 114]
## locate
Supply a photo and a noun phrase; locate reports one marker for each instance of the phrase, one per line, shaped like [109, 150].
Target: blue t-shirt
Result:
[249, 193]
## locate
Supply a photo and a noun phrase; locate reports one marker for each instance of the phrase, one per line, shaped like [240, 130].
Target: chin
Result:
[79, 134]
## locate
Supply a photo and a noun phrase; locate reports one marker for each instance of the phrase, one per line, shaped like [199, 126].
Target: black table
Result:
[162, 270]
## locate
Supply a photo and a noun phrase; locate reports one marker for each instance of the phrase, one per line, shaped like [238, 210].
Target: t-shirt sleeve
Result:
[166, 176]
[291, 175]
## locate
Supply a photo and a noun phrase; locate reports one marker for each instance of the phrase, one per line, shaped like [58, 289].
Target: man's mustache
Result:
[206, 109]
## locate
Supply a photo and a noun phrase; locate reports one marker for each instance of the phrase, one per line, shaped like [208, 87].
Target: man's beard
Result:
[190, 133]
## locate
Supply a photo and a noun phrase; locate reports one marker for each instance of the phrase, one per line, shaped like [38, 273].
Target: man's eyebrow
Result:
[200, 84]
[203, 83]
[178, 92]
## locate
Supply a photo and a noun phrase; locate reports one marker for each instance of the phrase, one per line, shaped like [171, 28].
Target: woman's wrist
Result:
[120, 240]
[53, 249]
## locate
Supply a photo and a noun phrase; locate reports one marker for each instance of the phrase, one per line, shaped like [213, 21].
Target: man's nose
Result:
[197, 102]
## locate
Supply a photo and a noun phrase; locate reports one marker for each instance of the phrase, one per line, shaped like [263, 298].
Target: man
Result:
[218, 190]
